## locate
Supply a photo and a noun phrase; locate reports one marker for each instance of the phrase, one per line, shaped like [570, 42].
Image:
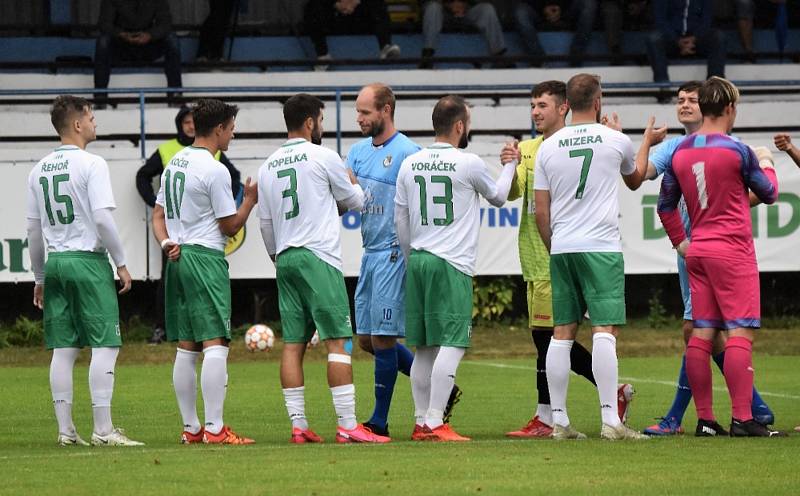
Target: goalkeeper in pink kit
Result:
[714, 174]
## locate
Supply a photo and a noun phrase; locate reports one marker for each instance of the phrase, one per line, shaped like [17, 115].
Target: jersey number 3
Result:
[173, 189]
[446, 200]
[291, 192]
[66, 200]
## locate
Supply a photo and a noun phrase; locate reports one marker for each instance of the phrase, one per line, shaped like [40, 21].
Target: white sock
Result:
[61, 366]
[421, 380]
[296, 406]
[213, 382]
[606, 371]
[558, 365]
[545, 414]
[101, 386]
[344, 402]
[443, 376]
[184, 380]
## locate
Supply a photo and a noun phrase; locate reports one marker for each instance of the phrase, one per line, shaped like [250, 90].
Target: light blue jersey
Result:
[376, 168]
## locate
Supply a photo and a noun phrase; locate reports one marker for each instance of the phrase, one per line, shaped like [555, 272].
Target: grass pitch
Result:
[499, 395]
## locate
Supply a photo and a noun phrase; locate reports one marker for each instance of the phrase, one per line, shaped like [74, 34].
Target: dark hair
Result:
[299, 108]
[209, 113]
[556, 88]
[690, 86]
[383, 96]
[448, 110]
[64, 109]
[716, 94]
[582, 89]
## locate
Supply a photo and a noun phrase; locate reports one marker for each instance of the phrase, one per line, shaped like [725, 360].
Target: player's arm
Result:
[632, 175]
[668, 199]
[344, 185]
[509, 153]
[783, 142]
[36, 248]
[495, 192]
[758, 171]
[231, 224]
[402, 219]
[144, 178]
[171, 248]
[542, 215]
[101, 202]
[107, 231]
[651, 137]
[268, 235]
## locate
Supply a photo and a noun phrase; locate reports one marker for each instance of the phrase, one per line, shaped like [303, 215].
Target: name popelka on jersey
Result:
[291, 159]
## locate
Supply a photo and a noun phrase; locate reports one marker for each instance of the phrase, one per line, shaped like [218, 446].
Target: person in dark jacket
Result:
[555, 15]
[684, 28]
[135, 30]
[184, 123]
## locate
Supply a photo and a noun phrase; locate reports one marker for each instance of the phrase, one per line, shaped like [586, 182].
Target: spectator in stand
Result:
[328, 17]
[633, 14]
[184, 123]
[555, 15]
[213, 31]
[745, 10]
[135, 30]
[684, 28]
[458, 13]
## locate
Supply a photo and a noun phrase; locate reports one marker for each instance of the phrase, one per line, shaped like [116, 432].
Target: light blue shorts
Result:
[683, 278]
[380, 294]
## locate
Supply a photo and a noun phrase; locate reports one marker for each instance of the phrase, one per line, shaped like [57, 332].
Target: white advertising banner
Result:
[647, 249]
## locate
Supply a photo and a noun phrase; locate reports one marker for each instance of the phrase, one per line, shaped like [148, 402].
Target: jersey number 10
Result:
[173, 190]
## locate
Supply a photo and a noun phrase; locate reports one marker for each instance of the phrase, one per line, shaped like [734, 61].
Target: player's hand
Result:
[682, 248]
[764, 156]
[783, 142]
[38, 296]
[652, 134]
[352, 176]
[613, 122]
[250, 191]
[124, 279]
[510, 152]
[171, 249]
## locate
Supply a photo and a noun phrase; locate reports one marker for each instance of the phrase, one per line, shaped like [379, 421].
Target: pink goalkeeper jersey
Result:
[714, 174]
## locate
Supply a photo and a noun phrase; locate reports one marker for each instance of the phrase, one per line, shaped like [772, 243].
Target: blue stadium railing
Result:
[337, 91]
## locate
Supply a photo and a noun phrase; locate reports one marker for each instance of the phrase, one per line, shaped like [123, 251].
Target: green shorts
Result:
[197, 292]
[80, 301]
[593, 281]
[311, 295]
[438, 302]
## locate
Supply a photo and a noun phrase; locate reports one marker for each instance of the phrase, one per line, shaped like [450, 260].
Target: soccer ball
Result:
[259, 338]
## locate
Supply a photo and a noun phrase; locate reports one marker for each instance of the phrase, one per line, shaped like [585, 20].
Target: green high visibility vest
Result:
[168, 149]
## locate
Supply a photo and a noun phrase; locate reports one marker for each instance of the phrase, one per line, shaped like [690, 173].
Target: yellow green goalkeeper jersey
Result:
[533, 255]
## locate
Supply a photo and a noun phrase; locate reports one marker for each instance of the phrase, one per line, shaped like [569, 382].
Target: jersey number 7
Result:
[587, 155]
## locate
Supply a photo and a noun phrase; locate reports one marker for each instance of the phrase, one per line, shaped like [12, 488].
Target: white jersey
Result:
[439, 185]
[64, 188]
[580, 166]
[298, 187]
[196, 191]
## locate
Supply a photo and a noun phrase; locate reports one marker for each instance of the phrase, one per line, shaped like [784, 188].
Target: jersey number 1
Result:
[446, 200]
[59, 198]
[173, 188]
[587, 155]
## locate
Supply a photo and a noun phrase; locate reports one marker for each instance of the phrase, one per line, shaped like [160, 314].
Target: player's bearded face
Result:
[373, 128]
[463, 141]
[316, 131]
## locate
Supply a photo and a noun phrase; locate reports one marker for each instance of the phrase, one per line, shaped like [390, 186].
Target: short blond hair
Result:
[715, 95]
